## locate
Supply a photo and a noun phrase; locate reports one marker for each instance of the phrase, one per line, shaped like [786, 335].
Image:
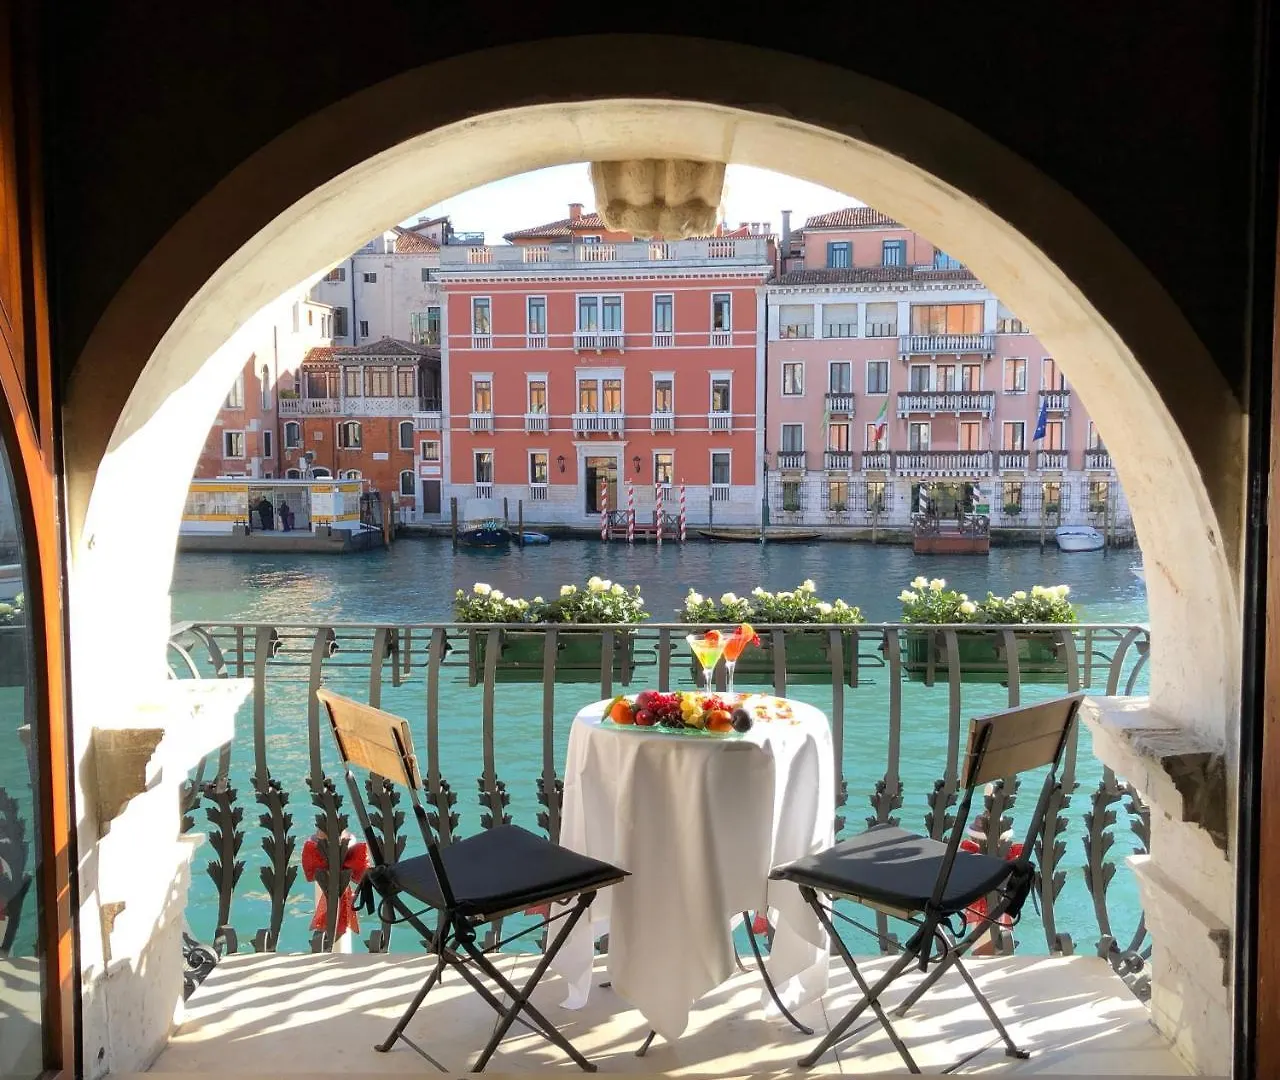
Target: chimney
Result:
[786, 233]
[575, 211]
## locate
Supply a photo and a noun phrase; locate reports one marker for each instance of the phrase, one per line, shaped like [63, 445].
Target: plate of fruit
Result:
[681, 712]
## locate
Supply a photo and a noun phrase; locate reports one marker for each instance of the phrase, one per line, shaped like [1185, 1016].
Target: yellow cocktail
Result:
[706, 649]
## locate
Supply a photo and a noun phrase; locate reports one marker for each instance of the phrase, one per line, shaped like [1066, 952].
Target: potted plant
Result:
[808, 652]
[522, 639]
[1013, 509]
[981, 651]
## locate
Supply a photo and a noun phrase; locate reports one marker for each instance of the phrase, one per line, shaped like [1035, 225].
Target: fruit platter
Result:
[695, 713]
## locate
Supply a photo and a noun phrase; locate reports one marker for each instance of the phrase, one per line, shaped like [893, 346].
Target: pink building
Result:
[578, 362]
[891, 368]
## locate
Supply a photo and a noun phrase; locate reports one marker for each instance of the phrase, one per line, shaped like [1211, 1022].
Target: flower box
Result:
[808, 659]
[982, 657]
[578, 656]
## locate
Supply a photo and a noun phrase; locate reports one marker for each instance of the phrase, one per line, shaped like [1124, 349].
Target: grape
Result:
[741, 720]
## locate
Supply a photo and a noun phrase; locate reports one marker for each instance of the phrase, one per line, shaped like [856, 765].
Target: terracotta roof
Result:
[563, 227]
[409, 242]
[384, 347]
[852, 217]
[872, 274]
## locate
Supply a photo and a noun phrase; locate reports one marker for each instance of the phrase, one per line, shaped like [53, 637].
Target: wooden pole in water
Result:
[711, 511]
[520, 522]
[506, 514]
[453, 515]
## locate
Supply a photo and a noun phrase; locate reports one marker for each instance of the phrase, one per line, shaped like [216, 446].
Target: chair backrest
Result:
[1018, 740]
[372, 739]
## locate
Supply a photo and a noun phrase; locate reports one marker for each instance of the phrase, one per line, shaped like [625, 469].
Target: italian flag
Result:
[882, 419]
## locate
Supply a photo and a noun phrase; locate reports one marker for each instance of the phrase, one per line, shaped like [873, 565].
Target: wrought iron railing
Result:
[884, 686]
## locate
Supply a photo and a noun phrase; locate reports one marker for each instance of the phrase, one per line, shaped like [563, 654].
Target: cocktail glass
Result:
[707, 654]
[733, 646]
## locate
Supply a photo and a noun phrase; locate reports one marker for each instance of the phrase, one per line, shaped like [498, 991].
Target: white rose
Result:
[1020, 595]
[907, 596]
[807, 585]
[840, 605]
[481, 589]
[568, 590]
[538, 600]
[1062, 590]
[964, 596]
[639, 600]
[920, 583]
[758, 591]
[786, 596]
[728, 598]
[496, 594]
[1038, 590]
[968, 608]
[596, 585]
[694, 599]
[617, 589]
[825, 609]
[938, 584]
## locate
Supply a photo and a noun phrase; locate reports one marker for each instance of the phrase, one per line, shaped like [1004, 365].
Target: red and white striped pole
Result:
[604, 512]
[631, 513]
[682, 512]
[657, 511]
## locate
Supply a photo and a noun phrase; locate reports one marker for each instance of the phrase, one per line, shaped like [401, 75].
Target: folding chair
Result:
[928, 884]
[502, 871]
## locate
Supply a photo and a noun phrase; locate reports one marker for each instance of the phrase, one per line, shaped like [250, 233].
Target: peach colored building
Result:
[579, 362]
[892, 369]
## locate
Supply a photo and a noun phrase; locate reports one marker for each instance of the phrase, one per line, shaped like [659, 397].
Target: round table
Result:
[698, 821]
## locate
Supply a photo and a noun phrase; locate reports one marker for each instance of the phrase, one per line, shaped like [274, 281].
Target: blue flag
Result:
[1043, 422]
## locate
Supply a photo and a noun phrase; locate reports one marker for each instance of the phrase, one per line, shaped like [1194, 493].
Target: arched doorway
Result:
[301, 204]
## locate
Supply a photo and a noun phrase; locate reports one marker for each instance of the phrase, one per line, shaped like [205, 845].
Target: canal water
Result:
[415, 582]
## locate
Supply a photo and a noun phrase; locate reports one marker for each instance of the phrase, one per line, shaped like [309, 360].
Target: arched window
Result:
[406, 434]
[292, 434]
[293, 474]
[320, 473]
[349, 435]
[406, 483]
[351, 474]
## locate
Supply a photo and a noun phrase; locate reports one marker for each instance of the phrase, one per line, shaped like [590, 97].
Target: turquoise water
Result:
[415, 581]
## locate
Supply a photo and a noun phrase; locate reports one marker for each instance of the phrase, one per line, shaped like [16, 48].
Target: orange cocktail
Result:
[733, 646]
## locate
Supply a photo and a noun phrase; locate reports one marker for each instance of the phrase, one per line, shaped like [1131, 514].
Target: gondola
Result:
[725, 536]
[488, 534]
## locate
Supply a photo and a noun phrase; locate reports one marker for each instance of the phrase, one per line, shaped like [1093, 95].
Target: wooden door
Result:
[28, 443]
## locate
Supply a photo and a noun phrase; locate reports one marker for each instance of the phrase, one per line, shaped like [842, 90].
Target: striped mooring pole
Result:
[683, 512]
[631, 513]
[604, 512]
[657, 511]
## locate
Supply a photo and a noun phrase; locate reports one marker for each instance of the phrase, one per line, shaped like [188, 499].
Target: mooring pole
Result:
[520, 521]
[453, 515]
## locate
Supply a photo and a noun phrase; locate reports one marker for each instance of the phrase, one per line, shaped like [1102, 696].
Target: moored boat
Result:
[1079, 538]
[487, 534]
[753, 537]
[529, 537]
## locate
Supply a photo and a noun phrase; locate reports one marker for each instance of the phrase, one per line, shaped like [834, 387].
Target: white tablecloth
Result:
[699, 822]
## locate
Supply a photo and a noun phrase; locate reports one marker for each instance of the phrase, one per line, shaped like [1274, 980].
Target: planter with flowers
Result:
[13, 642]
[981, 651]
[808, 652]
[522, 638]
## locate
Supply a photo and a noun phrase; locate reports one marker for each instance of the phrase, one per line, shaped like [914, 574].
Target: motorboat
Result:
[529, 537]
[486, 534]
[1079, 538]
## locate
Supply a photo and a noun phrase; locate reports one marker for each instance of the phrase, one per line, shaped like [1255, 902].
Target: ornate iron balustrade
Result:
[405, 668]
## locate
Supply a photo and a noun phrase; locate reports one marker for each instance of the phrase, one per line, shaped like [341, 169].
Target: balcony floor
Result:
[321, 1014]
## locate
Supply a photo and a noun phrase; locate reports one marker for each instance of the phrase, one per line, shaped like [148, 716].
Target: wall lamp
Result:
[560, 462]
[635, 463]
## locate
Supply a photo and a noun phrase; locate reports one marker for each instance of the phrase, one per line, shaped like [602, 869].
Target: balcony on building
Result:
[719, 421]
[599, 341]
[943, 463]
[837, 460]
[1056, 400]
[1014, 460]
[484, 489]
[592, 423]
[538, 492]
[933, 402]
[429, 415]
[1051, 460]
[877, 461]
[840, 403]
[1098, 460]
[662, 421]
[793, 460]
[946, 344]
[536, 422]
[480, 421]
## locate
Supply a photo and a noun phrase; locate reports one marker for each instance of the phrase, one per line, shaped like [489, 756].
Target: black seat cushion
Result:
[898, 869]
[501, 869]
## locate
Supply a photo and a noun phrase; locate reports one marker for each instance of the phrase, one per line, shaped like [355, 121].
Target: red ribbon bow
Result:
[356, 861]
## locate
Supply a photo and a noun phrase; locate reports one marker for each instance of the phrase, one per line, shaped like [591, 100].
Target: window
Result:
[484, 466]
[377, 382]
[838, 495]
[791, 499]
[266, 445]
[1051, 497]
[1095, 440]
[1015, 376]
[364, 327]
[611, 390]
[946, 377]
[233, 444]
[406, 434]
[1050, 377]
[720, 402]
[406, 483]
[918, 437]
[720, 467]
[882, 320]
[1007, 322]
[589, 239]
[406, 382]
[340, 322]
[877, 491]
[349, 474]
[537, 316]
[264, 387]
[840, 377]
[319, 472]
[338, 273]
[481, 323]
[792, 438]
[538, 467]
[370, 279]
[1054, 437]
[838, 437]
[919, 379]
[970, 377]
[664, 314]
[235, 396]
[588, 396]
[424, 326]
[1011, 496]
[839, 254]
[664, 467]
[664, 399]
[352, 385]
[721, 311]
[293, 474]
[1099, 496]
[349, 435]
[877, 436]
[428, 274]
[877, 376]
[792, 380]
[481, 395]
[588, 314]
[893, 253]
[538, 395]
[596, 313]
[292, 435]
[946, 318]
[943, 261]
[1015, 435]
[970, 435]
[611, 314]
[430, 449]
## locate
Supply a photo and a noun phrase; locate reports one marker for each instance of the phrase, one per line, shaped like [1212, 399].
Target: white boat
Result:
[1079, 538]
